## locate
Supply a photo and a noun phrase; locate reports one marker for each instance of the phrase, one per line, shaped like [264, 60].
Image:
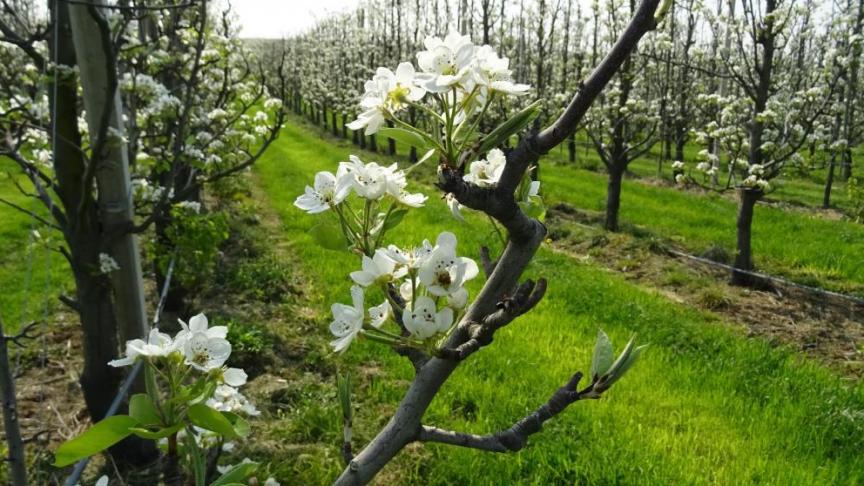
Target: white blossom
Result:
[424, 320]
[204, 352]
[493, 72]
[107, 264]
[347, 320]
[369, 181]
[411, 259]
[228, 399]
[446, 62]
[454, 206]
[485, 173]
[321, 197]
[158, 344]
[386, 92]
[378, 269]
[379, 314]
[443, 272]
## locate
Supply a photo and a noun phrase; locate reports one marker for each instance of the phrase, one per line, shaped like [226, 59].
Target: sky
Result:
[277, 18]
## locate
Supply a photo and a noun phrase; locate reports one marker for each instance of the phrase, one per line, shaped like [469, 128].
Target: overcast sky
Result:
[278, 18]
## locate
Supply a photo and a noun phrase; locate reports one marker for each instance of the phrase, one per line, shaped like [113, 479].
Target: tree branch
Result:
[480, 334]
[516, 437]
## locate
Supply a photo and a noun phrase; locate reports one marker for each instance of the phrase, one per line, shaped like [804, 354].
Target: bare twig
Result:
[516, 437]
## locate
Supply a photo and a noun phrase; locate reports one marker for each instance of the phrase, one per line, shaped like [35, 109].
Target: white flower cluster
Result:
[430, 280]
[200, 347]
[145, 192]
[453, 64]
[107, 264]
[371, 182]
[190, 206]
[486, 173]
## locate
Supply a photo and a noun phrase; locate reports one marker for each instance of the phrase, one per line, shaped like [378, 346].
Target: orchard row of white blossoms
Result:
[192, 399]
[413, 297]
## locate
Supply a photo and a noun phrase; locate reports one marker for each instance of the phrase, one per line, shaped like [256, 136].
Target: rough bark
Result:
[743, 254]
[613, 198]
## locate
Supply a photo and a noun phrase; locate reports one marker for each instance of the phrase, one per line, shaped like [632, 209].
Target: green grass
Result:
[705, 406]
[792, 187]
[31, 275]
[803, 246]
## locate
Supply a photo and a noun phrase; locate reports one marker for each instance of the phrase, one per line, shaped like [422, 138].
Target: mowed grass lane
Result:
[31, 274]
[705, 406]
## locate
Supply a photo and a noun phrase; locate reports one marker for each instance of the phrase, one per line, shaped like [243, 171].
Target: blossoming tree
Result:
[109, 171]
[421, 307]
[763, 124]
[622, 126]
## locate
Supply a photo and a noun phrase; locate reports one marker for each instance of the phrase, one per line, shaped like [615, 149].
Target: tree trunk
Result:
[15, 446]
[391, 144]
[829, 182]
[680, 141]
[846, 173]
[333, 127]
[571, 148]
[613, 198]
[743, 255]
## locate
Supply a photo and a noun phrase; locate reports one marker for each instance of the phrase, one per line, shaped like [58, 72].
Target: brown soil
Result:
[826, 328]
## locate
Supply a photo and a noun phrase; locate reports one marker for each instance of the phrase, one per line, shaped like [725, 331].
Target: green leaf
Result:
[95, 439]
[394, 218]
[211, 419]
[241, 426]
[236, 475]
[510, 127]
[142, 409]
[156, 434]
[407, 137]
[343, 387]
[630, 361]
[534, 208]
[329, 236]
[616, 371]
[603, 356]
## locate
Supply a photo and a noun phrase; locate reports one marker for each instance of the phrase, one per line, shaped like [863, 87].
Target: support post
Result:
[99, 82]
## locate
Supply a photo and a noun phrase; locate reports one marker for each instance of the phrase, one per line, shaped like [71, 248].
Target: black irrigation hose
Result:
[784, 281]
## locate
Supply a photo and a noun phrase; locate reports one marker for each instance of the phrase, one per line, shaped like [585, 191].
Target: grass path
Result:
[31, 275]
[706, 406]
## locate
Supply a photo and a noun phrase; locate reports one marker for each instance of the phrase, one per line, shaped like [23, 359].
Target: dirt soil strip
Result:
[829, 329]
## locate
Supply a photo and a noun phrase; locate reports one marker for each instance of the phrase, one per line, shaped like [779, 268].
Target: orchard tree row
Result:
[757, 87]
